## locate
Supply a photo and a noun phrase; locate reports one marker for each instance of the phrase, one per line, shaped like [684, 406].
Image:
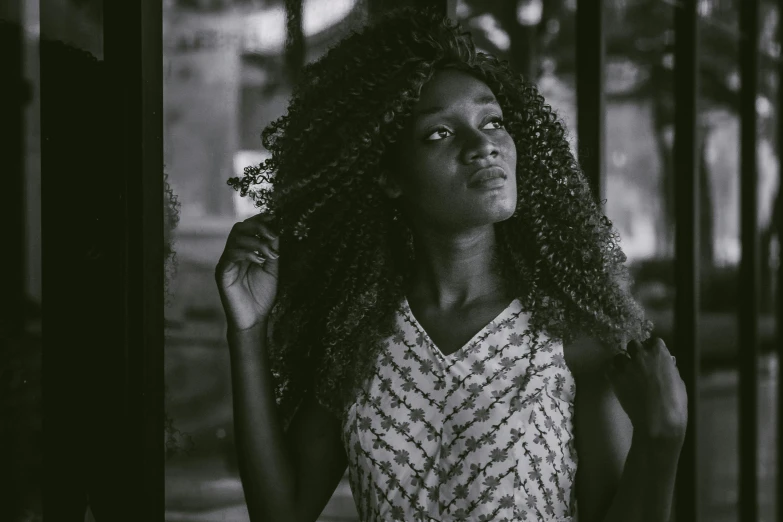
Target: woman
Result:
[426, 283]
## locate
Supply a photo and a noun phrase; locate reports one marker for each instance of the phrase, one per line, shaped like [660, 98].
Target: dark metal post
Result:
[148, 212]
[12, 158]
[69, 80]
[686, 249]
[12, 217]
[295, 49]
[102, 264]
[749, 272]
[133, 49]
[590, 109]
[778, 214]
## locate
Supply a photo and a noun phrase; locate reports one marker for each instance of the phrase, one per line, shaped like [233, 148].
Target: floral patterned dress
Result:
[482, 434]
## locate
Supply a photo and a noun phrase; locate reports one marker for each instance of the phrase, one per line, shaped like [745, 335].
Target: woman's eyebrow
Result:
[484, 99]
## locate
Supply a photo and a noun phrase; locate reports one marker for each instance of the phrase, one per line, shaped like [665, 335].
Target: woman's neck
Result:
[452, 270]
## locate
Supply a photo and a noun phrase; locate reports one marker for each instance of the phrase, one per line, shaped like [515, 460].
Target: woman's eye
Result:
[440, 133]
[497, 122]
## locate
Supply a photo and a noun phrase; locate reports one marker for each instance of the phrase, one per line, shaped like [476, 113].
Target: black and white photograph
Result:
[378, 260]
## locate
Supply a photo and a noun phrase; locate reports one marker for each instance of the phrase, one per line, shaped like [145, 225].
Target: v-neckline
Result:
[435, 347]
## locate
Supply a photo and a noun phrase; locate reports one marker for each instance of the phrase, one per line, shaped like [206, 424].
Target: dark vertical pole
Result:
[134, 65]
[70, 78]
[294, 40]
[12, 294]
[12, 159]
[149, 265]
[686, 245]
[523, 52]
[749, 273]
[590, 50]
[102, 264]
[778, 214]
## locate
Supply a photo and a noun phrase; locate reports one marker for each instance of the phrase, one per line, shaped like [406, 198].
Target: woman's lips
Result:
[488, 177]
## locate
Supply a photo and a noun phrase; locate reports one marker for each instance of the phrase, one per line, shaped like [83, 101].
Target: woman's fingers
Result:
[254, 227]
[237, 255]
[256, 244]
[651, 346]
[257, 226]
[634, 348]
[251, 240]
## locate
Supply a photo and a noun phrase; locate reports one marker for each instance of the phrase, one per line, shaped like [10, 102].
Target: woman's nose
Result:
[477, 146]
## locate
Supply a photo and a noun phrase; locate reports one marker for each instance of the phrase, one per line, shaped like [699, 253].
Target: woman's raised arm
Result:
[286, 476]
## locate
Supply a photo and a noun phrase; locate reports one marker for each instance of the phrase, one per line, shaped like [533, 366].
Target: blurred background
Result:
[226, 76]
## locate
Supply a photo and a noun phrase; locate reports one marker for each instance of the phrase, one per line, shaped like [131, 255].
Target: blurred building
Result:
[224, 81]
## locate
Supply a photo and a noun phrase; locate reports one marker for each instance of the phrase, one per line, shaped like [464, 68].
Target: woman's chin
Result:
[493, 215]
[501, 210]
[505, 216]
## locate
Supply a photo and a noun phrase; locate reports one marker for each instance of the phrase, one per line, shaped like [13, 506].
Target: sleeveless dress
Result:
[482, 434]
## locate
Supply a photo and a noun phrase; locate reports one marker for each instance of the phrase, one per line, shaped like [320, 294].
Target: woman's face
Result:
[456, 164]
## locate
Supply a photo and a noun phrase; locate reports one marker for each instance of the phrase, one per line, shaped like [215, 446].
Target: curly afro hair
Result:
[345, 257]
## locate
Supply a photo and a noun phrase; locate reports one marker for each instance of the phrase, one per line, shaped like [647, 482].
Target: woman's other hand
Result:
[651, 391]
[246, 274]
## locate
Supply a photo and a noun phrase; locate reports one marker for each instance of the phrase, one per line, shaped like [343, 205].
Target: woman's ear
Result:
[389, 184]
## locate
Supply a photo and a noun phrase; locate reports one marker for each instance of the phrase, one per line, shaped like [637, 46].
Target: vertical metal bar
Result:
[295, 45]
[749, 273]
[133, 53]
[102, 263]
[590, 109]
[69, 77]
[12, 215]
[12, 158]
[149, 266]
[778, 214]
[686, 245]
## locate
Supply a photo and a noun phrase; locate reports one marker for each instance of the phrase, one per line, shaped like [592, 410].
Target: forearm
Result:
[646, 489]
[264, 464]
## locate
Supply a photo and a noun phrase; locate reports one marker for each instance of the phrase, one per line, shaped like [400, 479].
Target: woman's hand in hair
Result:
[246, 274]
